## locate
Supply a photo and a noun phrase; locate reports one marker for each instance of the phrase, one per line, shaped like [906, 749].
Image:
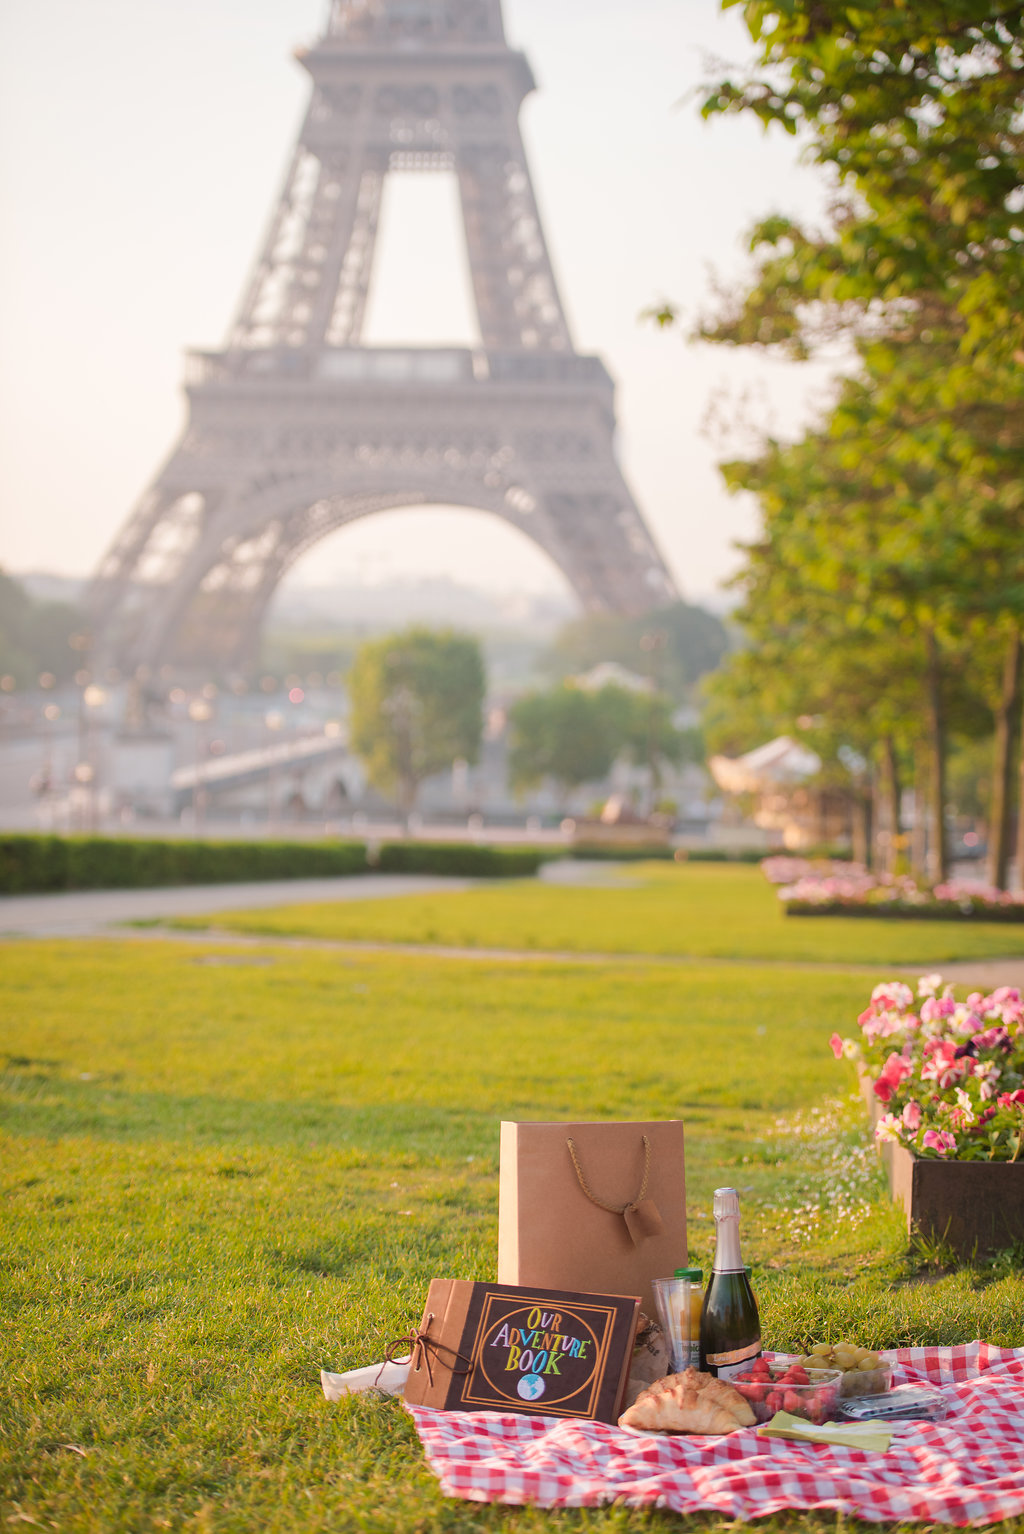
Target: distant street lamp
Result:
[87, 772]
[42, 783]
[200, 711]
[274, 721]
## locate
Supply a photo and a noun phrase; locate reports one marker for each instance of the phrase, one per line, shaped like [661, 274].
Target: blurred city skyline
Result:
[142, 152]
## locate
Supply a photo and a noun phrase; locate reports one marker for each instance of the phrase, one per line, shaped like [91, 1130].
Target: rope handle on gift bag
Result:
[641, 1214]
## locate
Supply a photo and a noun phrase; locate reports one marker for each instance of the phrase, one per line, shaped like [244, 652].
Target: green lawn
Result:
[694, 910]
[222, 1170]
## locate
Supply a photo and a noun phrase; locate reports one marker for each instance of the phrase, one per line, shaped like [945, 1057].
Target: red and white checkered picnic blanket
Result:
[968, 1469]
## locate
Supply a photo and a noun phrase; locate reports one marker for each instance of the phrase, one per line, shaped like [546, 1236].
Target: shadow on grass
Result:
[36, 1103]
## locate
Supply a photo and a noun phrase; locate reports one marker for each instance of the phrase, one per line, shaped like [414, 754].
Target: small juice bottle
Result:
[691, 1300]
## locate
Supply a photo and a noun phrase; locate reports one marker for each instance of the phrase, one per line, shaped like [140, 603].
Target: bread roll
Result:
[690, 1402]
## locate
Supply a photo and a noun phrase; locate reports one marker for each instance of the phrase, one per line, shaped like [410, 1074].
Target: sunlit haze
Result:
[142, 149]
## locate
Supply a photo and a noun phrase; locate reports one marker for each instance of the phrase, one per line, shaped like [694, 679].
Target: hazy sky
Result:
[142, 143]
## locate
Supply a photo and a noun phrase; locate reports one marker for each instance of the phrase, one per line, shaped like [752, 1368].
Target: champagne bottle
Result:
[730, 1329]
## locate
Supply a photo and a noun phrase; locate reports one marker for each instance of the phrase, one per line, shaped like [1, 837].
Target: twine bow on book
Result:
[419, 1345]
[641, 1214]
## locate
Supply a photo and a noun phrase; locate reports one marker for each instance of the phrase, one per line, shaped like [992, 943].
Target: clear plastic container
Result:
[907, 1403]
[770, 1390]
[866, 1382]
[679, 1302]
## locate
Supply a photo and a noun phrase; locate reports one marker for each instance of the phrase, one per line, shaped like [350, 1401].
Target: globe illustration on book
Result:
[531, 1387]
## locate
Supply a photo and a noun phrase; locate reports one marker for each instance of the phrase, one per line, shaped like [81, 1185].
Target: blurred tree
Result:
[905, 508]
[34, 636]
[915, 109]
[564, 734]
[417, 705]
[691, 643]
[573, 736]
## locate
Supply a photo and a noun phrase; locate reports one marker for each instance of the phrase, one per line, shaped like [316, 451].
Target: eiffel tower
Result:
[296, 429]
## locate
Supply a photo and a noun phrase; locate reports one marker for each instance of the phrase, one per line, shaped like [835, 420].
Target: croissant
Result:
[690, 1402]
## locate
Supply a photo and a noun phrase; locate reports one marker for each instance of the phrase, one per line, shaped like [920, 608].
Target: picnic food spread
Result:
[524, 1394]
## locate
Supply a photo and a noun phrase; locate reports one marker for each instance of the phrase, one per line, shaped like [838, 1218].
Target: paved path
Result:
[92, 913]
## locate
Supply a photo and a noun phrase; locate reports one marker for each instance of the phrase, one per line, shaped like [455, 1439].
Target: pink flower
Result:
[1011, 1099]
[939, 1140]
[987, 1076]
[936, 1008]
[893, 993]
[912, 1116]
[837, 1046]
[888, 1128]
[992, 1038]
[894, 1071]
[942, 1066]
[965, 1021]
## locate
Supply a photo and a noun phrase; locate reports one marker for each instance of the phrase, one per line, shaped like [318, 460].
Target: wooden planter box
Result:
[976, 1207]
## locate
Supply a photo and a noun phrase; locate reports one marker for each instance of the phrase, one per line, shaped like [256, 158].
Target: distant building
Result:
[777, 778]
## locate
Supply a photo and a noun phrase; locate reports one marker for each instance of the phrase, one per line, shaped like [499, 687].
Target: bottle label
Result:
[732, 1361]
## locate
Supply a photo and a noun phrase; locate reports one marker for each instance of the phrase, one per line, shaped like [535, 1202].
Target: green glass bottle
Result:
[730, 1328]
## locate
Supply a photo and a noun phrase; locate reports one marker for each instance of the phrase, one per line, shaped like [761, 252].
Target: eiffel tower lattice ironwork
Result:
[296, 429]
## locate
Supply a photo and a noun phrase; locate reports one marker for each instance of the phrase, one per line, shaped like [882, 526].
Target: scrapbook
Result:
[498, 1347]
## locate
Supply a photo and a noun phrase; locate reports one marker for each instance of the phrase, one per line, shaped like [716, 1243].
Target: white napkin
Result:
[387, 1377]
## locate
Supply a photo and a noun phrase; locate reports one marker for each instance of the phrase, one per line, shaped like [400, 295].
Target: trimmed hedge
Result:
[483, 862]
[601, 852]
[37, 864]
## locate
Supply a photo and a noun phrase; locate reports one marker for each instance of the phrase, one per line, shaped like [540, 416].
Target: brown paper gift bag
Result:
[592, 1208]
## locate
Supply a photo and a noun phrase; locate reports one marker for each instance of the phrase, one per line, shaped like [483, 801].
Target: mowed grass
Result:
[689, 910]
[221, 1171]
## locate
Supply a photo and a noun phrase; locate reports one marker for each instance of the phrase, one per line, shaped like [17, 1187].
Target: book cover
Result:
[499, 1347]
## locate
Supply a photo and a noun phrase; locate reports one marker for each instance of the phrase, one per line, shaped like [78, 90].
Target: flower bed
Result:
[847, 889]
[945, 1081]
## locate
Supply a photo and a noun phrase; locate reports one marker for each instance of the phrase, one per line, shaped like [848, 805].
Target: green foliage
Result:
[573, 736]
[565, 734]
[673, 645]
[34, 636]
[896, 525]
[915, 110]
[417, 705]
[33, 864]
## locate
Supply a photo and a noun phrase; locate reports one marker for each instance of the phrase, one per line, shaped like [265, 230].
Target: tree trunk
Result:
[919, 836]
[1020, 819]
[938, 865]
[860, 826]
[887, 814]
[1007, 716]
[407, 787]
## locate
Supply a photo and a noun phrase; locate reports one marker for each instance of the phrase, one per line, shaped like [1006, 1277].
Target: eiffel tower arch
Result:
[296, 428]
